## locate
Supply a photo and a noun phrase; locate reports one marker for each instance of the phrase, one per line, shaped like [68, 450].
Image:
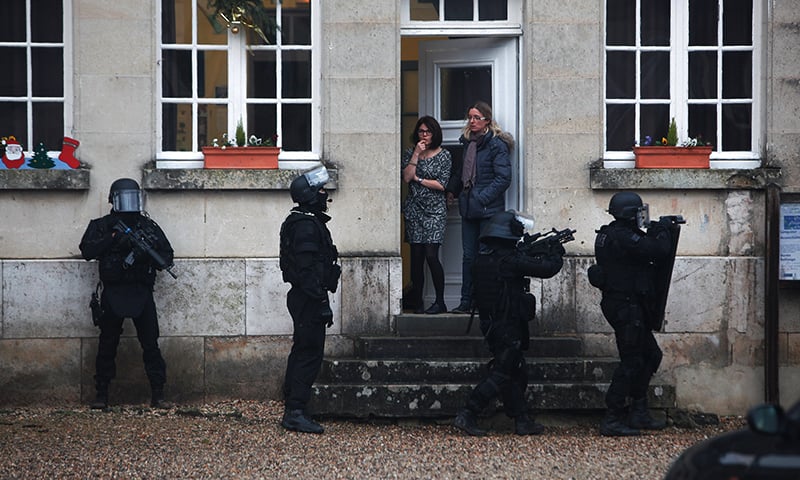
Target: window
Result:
[461, 17]
[35, 92]
[212, 77]
[687, 59]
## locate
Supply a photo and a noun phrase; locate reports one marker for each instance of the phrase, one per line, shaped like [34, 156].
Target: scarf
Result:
[468, 169]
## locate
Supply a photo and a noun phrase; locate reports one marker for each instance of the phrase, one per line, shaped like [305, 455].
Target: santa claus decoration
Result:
[13, 156]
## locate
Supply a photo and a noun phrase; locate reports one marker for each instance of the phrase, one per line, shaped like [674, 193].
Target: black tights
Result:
[420, 252]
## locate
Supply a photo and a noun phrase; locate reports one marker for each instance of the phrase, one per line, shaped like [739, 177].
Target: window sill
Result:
[681, 178]
[224, 179]
[44, 179]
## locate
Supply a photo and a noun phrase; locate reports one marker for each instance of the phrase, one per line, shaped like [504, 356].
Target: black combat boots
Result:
[101, 397]
[466, 421]
[157, 399]
[525, 426]
[297, 421]
[613, 425]
[640, 417]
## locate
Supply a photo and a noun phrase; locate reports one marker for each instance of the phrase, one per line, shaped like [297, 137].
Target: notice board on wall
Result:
[790, 241]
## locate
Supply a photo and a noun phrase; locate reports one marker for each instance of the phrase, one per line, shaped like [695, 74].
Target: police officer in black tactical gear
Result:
[308, 261]
[500, 290]
[625, 273]
[127, 274]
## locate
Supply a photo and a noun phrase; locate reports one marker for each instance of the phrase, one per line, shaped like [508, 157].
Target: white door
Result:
[453, 74]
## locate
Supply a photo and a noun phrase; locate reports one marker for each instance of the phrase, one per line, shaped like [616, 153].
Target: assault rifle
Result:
[669, 220]
[541, 242]
[141, 242]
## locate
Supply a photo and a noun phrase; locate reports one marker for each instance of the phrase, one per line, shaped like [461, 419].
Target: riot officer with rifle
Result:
[308, 260]
[129, 248]
[505, 305]
[633, 271]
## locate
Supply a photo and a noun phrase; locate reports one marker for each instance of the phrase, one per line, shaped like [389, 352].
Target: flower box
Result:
[241, 157]
[672, 157]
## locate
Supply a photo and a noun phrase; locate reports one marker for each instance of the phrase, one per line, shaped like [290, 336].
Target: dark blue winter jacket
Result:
[492, 179]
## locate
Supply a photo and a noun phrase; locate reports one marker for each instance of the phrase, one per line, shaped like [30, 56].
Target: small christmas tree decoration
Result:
[68, 152]
[40, 158]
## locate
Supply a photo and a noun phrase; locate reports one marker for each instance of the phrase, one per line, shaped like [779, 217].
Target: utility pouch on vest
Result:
[597, 276]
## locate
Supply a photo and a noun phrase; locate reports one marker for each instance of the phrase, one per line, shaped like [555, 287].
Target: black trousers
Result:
[508, 373]
[146, 331]
[639, 353]
[308, 346]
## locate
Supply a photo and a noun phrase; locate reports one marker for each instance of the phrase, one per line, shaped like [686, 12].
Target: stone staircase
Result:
[428, 368]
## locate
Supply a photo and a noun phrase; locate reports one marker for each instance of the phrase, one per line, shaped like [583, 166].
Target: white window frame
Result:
[475, 28]
[679, 100]
[237, 100]
[28, 98]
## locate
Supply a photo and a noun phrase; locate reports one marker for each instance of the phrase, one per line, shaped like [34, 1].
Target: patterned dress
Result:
[425, 209]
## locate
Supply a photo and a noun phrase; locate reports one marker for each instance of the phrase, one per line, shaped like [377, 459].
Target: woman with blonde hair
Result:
[485, 177]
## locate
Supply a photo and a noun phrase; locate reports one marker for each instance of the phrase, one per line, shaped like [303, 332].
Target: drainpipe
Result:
[771, 280]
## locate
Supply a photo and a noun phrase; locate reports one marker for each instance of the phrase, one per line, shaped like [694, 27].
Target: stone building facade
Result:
[371, 69]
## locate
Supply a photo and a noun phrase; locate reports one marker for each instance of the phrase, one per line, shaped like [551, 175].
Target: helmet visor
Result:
[127, 201]
[643, 216]
[317, 177]
[525, 219]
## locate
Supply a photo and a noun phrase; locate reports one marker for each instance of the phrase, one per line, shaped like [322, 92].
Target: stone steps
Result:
[430, 366]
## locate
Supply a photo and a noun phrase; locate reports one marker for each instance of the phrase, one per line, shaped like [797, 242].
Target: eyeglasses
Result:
[476, 118]
[421, 132]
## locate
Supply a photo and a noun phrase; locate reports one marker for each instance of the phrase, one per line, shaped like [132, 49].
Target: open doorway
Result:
[442, 77]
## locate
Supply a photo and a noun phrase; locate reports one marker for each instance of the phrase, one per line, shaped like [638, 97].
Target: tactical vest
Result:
[112, 265]
[327, 251]
[624, 274]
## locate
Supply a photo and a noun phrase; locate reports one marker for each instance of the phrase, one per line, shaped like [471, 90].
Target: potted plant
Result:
[251, 14]
[669, 153]
[242, 152]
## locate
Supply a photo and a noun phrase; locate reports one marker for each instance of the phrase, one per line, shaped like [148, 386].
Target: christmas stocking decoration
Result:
[68, 152]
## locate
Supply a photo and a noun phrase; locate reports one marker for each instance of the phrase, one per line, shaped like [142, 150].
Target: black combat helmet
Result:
[503, 225]
[305, 189]
[625, 205]
[125, 195]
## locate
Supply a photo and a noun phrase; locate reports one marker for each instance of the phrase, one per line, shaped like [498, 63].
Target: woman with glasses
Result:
[485, 177]
[426, 169]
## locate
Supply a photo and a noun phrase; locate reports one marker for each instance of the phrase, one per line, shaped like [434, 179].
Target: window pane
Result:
[296, 126]
[736, 126]
[296, 24]
[493, 10]
[212, 123]
[296, 74]
[48, 124]
[620, 75]
[13, 121]
[463, 86]
[458, 9]
[176, 73]
[620, 120]
[703, 16]
[46, 22]
[176, 20]
[211, 30]
[212, 75]
[655, 75]
[261, 74]
[47, 67]
[655, 23]
[621, 22]
[703, 122]
[176, 123]
[737, 22]
[424, 10]
[262, 121]
[737, 78]
[654, 121]
[702, 74]
[13, 21]
[13, 81]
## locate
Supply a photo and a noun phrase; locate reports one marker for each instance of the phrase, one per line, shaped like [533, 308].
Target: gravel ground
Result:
[243, 440]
